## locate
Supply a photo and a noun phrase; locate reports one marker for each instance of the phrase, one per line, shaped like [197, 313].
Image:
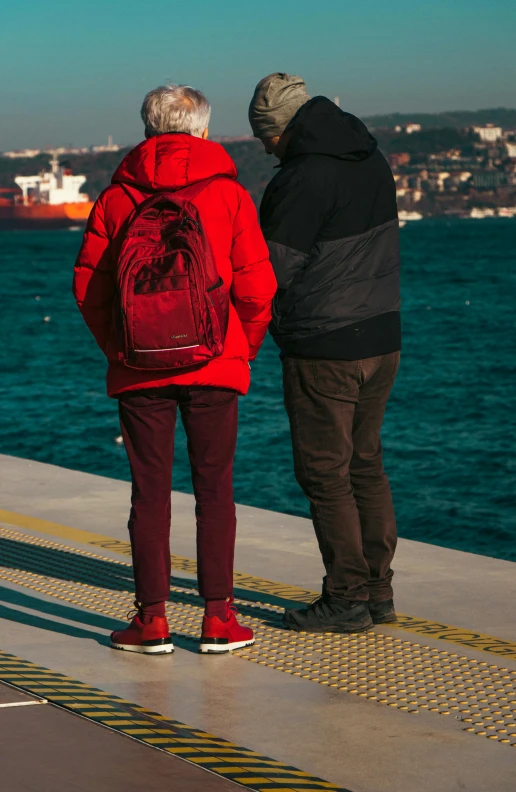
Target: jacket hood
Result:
[172, 161]
[320, 127]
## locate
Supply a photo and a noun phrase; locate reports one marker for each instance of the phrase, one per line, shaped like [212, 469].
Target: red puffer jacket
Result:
[168, 162]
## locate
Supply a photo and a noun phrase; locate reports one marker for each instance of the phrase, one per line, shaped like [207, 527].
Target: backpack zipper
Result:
[169, 349]
[219, 283]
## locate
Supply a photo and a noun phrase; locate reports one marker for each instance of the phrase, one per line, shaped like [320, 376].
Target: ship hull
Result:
[35, 217]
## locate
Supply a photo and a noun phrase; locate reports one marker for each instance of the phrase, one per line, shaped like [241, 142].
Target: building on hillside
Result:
[401, 180]
[511, 150]
[408, 128]
[442, 176]
[488, 133]
[397, 160]
[110, 146]
[411, 128]
[408, 199]
[494, 152]
[456, 180]
[489, 179]
[60, 150]
[511, 175]
[22, 153]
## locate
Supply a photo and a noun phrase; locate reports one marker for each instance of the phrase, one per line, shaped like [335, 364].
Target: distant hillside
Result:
[429, 141]
[500, 116]
[440, 132]
[255, 168]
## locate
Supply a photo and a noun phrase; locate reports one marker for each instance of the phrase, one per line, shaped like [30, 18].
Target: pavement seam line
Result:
[183, 741]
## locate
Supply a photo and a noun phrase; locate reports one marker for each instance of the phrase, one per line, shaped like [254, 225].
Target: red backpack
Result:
[173, 308]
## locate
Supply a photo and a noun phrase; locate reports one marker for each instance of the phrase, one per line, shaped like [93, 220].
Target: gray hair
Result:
[175, 108]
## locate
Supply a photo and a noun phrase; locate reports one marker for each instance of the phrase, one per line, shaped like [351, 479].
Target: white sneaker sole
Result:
[156, 650]
[220, 648]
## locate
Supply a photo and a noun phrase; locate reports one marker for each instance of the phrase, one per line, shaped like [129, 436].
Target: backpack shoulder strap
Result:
[191, 191]
[136, 196]
[129, 193]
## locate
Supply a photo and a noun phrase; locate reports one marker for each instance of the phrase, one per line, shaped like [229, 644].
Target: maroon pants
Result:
[148, 420]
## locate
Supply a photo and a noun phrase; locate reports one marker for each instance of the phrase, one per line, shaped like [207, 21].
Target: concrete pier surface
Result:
[427, 705]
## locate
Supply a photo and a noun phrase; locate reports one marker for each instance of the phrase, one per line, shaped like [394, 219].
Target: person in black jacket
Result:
[330, 220]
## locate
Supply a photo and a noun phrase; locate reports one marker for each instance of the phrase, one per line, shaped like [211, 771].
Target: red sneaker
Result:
[219, 636]
[152, 638]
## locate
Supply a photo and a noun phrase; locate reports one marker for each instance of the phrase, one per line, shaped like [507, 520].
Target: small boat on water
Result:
[405, 216]
[48, 200]
[478, 213]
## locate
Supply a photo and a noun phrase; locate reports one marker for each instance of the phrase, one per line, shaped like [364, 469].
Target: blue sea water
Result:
[449, 434]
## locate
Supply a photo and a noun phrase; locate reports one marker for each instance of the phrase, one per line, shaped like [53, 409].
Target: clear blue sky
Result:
[74, 71]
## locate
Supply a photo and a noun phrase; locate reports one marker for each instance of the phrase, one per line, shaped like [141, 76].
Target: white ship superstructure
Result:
[55, 187]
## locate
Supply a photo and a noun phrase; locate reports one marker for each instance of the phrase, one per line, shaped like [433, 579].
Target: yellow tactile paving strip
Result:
[388, 670]
[247, 768]
[180, 563]
[436, 630]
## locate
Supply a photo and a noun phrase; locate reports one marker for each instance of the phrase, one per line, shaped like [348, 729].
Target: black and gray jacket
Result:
[329, 217]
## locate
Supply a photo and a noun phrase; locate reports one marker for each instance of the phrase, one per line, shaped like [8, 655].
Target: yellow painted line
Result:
[178, 750]
[197, 741]
[378, 667]
[63, 531]
[117, 722]
[431, 629]
[457, 635]
[204, 759]
[271, 764]
[321, 785]
[124, 548]
[156, 740]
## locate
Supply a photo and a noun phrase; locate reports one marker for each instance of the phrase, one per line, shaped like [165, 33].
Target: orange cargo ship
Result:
[49, 200]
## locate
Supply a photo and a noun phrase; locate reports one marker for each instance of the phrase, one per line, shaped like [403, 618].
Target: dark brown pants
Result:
[336, 410]
[148, 420]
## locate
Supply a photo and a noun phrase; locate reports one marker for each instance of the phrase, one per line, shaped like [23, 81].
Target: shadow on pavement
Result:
[72, 567]
[110, 575]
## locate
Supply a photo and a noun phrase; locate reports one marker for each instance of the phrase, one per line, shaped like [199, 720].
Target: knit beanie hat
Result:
[276, 100]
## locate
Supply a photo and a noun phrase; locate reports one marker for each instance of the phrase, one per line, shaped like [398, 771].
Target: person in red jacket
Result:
[176, 154]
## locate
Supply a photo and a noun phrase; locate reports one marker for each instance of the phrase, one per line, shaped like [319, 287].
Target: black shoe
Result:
[383, 612]
[325, 615]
